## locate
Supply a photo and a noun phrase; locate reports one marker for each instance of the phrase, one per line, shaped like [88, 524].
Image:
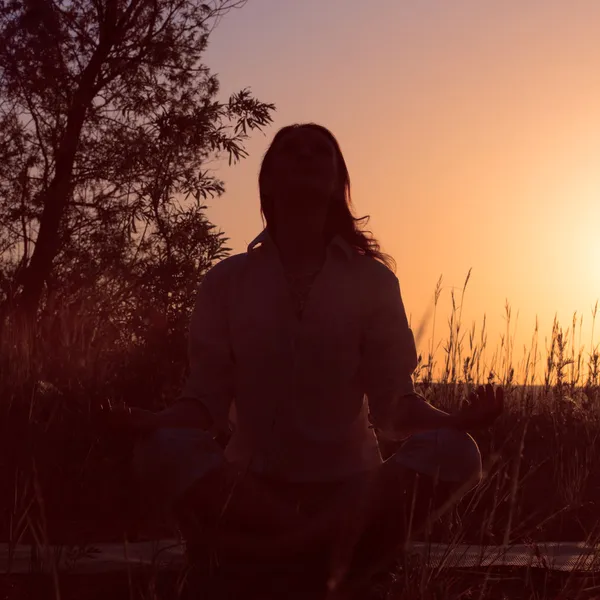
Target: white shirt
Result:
[298, 388]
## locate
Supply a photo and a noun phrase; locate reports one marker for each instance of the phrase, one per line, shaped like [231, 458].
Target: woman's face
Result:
[303, 166]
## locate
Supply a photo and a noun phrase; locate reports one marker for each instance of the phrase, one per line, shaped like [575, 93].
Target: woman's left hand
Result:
[483, 408]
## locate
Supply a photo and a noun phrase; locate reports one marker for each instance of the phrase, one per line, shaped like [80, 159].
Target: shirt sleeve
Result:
[389, 355]
[211, 377]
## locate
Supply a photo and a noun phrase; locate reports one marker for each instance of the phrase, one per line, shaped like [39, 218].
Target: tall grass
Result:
[464, 357]
[63, 477]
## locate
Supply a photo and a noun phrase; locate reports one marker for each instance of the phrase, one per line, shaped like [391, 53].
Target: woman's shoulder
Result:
[375, 271]
[225, 269]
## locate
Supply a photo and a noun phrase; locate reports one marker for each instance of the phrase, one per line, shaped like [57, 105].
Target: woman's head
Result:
[304, 173]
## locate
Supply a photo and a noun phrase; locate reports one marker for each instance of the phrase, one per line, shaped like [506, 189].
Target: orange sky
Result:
[471, 130]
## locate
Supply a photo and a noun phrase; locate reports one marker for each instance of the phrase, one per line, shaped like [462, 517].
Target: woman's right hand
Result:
[134, 421]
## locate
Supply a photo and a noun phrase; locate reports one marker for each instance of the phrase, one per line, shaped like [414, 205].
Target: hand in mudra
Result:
[126, 420]
[482, 409]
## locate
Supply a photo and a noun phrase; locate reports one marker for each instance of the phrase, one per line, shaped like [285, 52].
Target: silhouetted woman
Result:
[301, 349]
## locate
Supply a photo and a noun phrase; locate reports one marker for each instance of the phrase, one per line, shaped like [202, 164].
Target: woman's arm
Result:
[208, 391]
[388, 359]
[413, 414]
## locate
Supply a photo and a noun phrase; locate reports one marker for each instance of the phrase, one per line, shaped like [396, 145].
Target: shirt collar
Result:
[264, 239]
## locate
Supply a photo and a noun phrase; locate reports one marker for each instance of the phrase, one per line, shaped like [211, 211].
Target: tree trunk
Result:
[55, 202]
[56, 198]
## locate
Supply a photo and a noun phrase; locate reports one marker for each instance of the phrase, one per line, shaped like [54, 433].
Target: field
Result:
[67, 484]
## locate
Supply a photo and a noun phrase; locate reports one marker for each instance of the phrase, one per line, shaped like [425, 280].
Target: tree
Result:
[108, 123]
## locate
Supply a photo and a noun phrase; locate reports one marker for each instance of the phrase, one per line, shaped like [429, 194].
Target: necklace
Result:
[300, 286]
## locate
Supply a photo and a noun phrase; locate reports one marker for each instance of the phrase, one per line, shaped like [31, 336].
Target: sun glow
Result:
[586, 232]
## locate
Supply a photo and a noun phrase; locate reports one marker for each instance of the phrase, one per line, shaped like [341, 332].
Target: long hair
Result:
[340, 218]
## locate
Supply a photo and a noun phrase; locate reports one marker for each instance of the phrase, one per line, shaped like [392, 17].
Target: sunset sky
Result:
[471, 130]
